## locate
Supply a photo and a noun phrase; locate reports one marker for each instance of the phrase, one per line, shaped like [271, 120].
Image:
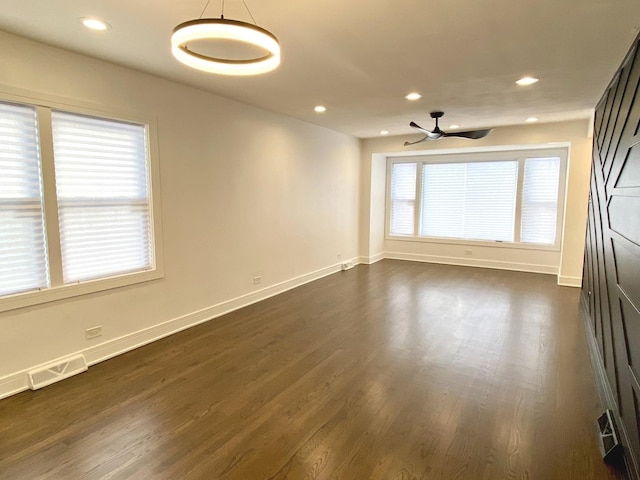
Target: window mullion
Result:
[417, 205]
[388, 201]
[50, 197]
[464, 199]
[519, 189]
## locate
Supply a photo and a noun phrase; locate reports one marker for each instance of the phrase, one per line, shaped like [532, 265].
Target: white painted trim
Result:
[370, 260]
[51, 294]
[591, 123]
[490, 148]
[471, 262]
[18, 382]
[564, 281]
[14, 383]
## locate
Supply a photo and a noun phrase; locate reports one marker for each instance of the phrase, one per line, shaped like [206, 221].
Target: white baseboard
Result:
[565, 281]
[473, 262]
[12, 384]
[18, 382]
[373, 259]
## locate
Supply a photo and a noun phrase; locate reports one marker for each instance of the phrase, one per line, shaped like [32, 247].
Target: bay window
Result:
[509, 197]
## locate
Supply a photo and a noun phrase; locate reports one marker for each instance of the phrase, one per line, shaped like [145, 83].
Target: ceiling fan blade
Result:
[426, 137]
[415, 125]
[435, 135]
[472, 134]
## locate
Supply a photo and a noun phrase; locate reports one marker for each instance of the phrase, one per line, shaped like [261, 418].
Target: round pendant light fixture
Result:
[222, 29]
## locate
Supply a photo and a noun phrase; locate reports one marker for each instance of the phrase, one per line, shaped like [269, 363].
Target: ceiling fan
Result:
[437, 134]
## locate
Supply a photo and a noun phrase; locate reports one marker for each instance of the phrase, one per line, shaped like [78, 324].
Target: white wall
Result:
[567, 263]
[244, 192]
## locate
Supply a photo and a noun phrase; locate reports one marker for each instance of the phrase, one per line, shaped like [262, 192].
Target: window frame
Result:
[513, 153]
[57, 290]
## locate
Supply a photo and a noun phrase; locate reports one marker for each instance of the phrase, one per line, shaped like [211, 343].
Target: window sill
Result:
[475, 243]
[26, 299]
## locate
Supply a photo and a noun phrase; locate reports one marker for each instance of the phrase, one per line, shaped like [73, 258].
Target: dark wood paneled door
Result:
[611, 278]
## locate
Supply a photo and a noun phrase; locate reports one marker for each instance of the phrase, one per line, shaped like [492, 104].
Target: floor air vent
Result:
[609, 443]
[55, 372]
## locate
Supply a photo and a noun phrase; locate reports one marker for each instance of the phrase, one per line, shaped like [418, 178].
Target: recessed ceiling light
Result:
[413, 96]
[94, 24]
[531, 120]
[527, 81]
[320, 109]
[454, 126]
[384, 132]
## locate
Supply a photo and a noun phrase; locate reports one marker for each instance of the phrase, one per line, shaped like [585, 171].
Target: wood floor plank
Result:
[394, 371]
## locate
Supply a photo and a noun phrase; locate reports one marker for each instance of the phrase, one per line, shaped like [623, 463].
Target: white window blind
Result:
[23, 255]
[540, 200]
[103, 198]
[443, 194]
[474, 200]
[403, 198]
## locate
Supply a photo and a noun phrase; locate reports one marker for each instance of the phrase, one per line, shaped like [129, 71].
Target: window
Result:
[540, 200]
[510, 197]
[403, 198]
[469, 200]
[23, 257]
[103, 200]
[75, 203]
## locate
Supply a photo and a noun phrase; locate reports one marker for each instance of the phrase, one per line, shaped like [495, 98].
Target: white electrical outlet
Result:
[257, 280]
[93, 332]
[339, 256]
[468, 252]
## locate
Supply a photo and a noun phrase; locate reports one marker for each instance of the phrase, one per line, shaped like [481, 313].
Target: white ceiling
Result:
[359, 58]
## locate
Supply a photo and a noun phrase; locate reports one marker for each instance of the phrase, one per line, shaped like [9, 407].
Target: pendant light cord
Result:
[222, 10]
[205, 7]
[245, 6]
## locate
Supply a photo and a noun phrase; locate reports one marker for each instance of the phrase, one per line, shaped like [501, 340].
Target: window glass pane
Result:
[443, 194]
[490, 201]
[23, 256]
[540, 200]
[474, 200]
[403, 196]
[103, 196]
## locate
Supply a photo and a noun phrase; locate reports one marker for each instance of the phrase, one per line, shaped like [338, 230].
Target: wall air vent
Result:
[55, 372]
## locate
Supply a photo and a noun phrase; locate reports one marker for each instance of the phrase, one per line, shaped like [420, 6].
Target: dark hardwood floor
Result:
[395, 371]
